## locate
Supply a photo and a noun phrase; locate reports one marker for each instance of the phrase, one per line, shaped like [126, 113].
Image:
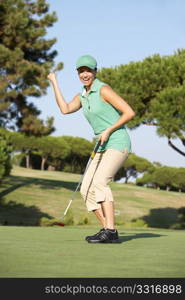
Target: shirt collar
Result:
[94, 87]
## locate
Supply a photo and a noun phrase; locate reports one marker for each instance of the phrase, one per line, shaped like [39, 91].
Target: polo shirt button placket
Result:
[88, 102]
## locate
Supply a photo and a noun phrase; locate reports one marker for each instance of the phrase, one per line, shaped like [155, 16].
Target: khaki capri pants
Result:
[102, 169]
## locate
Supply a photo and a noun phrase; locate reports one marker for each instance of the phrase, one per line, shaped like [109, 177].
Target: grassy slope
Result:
[28, 195]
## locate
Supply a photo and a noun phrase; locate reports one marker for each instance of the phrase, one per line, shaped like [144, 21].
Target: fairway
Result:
[147, 249]
[62, 252]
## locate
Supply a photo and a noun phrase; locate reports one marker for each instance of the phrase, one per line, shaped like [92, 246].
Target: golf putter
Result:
[87, 166]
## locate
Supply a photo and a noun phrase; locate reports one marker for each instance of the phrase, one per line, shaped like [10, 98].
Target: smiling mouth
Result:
[86, 80]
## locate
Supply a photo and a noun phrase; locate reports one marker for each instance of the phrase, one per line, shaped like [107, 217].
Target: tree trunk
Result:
[126, 179]
[43, 163]
[27, 160]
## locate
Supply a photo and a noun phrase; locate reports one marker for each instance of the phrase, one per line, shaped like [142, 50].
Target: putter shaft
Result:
[88, 163]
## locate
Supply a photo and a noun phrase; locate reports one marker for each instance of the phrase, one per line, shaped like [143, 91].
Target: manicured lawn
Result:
[148, 248]
[63, 252]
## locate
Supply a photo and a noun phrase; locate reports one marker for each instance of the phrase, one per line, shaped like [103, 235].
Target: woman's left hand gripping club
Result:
[104, 136]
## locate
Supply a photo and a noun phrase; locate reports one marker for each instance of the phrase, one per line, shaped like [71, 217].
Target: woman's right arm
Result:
[66, 108]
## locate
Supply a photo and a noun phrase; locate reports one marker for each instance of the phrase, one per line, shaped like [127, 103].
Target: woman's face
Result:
[86, 76]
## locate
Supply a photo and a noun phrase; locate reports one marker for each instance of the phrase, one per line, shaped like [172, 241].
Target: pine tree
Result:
[155, 88]
[5, 154]
[25, 60]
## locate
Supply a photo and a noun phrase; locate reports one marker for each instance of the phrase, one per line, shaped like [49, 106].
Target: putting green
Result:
[63, 252]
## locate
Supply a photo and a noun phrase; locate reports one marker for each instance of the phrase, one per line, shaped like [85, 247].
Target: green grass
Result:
[63, 252]
[32, 251]
[28, 195]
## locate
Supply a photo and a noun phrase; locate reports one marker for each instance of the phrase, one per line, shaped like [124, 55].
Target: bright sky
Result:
[114, 32]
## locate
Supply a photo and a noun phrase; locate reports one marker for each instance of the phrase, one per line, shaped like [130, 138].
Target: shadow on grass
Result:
[13, 213]
[15, 182]
[138, 236]
[166, 217]
[10, 189]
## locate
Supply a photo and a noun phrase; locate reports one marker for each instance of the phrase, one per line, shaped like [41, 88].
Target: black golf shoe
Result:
[94, 236]
[105, 236]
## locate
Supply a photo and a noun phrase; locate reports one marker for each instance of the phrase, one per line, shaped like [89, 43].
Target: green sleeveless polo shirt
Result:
[102, 115]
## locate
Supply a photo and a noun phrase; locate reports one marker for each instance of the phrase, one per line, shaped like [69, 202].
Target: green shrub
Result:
[177, 226]
[49, 222]
[180, 219]
[84, 221]
[5, 158]
[137, 223]
[19, 160]
[69, 219]
[119, 221]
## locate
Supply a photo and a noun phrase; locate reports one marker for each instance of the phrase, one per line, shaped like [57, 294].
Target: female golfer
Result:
[107, 113]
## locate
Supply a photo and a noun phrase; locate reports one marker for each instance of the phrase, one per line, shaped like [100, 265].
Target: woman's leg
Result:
[88, 194]
[109, 165]
[96, 192]
[100, 216]
[87, 190]
[108, 210]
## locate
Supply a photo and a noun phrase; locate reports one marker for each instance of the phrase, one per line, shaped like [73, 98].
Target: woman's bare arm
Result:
[120, 104]
[127, 113]
[65, 108]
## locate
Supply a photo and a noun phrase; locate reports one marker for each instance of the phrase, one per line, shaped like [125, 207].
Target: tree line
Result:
[70, 154]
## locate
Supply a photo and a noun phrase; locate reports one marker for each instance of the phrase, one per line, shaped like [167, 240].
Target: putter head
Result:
[58, 224]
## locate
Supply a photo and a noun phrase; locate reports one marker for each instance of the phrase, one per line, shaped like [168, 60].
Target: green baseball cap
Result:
[86, 61]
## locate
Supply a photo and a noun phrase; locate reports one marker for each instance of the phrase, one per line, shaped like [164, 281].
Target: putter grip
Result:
[95, 149]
